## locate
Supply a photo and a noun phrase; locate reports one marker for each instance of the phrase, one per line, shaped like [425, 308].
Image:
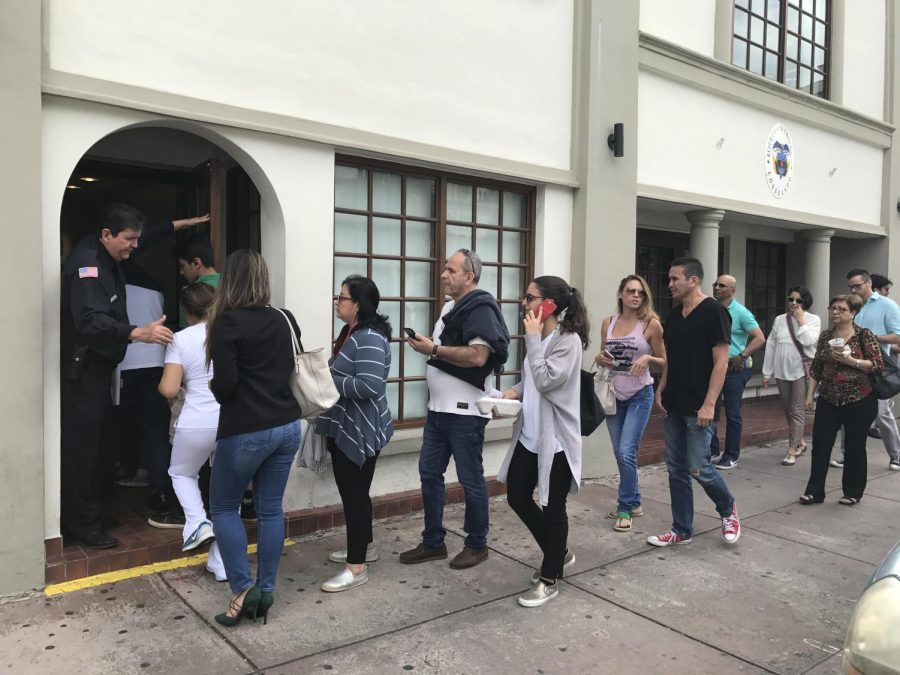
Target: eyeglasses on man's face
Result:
[796, 301]
[853, 287]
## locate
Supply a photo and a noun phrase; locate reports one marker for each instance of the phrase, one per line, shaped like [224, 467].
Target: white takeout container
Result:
[504, 407]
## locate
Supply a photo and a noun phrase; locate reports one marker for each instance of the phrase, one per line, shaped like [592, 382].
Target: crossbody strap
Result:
[298, 346]
[797, 344]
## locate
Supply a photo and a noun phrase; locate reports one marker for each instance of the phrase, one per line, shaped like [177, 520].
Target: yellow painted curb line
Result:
[131, 573]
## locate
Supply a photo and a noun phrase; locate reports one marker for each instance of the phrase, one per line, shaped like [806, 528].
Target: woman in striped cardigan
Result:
[359, 424]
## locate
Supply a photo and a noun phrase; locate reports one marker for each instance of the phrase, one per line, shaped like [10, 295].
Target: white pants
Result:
[190, 449]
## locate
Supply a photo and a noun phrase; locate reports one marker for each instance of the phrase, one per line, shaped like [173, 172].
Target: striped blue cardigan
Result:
[360, 422]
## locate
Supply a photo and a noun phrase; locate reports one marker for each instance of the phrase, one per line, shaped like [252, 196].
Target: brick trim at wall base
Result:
[74, 563]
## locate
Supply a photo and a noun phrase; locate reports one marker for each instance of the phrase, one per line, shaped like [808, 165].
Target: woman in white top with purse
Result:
[789, 351]
[195, 428]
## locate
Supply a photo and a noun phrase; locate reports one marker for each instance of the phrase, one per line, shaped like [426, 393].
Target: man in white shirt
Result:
[470, 341]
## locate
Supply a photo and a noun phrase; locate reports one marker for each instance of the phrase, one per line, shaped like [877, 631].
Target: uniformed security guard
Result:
[95, 334]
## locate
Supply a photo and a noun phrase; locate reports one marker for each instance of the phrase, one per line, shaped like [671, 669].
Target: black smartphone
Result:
[410, 332]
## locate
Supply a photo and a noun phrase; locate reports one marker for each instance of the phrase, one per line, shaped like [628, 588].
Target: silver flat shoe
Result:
[539, 595]
[568, 561]
[345, 581]
[341, 556]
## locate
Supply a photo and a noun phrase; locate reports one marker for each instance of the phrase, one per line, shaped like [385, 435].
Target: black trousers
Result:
[85, 448]
[353, 483]
[549, 526]
[142, 419]
[856, 418]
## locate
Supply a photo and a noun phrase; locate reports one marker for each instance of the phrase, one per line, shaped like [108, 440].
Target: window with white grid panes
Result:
[397, 225]
[784, 40]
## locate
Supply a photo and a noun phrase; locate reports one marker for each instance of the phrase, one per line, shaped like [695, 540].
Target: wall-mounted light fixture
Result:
[616, 140]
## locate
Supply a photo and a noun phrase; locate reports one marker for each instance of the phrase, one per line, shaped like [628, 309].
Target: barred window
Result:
[397, 225]
[784, 40]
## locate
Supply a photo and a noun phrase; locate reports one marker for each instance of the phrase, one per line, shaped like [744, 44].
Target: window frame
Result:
[784, 35]
[439, 253]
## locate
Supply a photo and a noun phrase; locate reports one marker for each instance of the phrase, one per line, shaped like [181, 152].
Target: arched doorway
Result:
[168, 174]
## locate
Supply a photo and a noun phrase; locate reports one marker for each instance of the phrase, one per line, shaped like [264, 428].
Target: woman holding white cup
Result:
[845, 357]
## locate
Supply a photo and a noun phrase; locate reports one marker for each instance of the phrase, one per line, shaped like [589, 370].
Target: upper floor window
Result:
[398, 224]
[784, 40]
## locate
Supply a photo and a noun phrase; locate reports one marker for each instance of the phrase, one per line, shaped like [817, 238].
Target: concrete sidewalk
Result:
[777, 602]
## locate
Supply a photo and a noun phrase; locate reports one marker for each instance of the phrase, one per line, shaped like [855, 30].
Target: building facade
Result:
[379, 137]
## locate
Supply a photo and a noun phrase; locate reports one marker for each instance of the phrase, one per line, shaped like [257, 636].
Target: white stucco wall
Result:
[486, 77]
[688, 23]
[863, 56]
[680, 128]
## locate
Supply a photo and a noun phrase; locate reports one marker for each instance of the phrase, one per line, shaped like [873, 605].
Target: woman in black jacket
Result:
[250, 346]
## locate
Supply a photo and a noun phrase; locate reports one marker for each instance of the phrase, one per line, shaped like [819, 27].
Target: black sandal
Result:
[806, 500]
[848, 501]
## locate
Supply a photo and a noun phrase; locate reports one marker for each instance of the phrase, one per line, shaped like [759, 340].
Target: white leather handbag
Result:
[311, 382]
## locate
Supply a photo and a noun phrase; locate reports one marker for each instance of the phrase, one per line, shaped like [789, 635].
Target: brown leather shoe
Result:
[469, 557]
[423, 553]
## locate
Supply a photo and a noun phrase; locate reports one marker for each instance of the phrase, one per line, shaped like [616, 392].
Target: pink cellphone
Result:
[548, 306]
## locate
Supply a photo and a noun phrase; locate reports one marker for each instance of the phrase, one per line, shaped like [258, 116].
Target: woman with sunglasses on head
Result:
[251, 346]
[788, 355]
[632, 346]
[546, 442]
[845, 357]
[359, 424]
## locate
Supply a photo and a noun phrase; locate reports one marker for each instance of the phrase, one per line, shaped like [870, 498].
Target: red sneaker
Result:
[669, 538]
[731, 527]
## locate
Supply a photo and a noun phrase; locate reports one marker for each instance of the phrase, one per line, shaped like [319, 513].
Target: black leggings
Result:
[856, 418]
[353, 483]
[549, 526]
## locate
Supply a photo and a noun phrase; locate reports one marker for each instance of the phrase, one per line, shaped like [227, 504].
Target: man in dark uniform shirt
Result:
[95, 334]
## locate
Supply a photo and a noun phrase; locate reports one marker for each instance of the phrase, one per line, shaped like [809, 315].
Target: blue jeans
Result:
[461, 437]
[733, 397]
[626, 428]
[687, 456]
[266, 457]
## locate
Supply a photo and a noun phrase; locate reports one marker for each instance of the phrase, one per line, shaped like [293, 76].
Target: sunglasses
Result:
[635, 291]
[796, 301]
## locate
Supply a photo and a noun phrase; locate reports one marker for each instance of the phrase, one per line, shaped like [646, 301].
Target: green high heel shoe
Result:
[266, 600]
[247, 608]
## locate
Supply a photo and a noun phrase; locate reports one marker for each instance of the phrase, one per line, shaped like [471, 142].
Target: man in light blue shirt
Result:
[881, 315]
[746, 338]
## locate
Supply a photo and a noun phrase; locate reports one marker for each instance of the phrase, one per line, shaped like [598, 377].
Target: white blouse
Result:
[782, 358]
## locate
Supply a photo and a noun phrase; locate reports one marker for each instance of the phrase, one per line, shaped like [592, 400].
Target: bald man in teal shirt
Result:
[746, 338]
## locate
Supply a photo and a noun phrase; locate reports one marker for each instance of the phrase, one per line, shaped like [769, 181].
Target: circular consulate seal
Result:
[779, 160]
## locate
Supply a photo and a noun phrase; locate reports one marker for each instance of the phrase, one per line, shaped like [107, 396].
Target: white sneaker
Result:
[202, 535]
[568, 561]
[220, 576]
[894, 465]
[539, 595]
[341, 556]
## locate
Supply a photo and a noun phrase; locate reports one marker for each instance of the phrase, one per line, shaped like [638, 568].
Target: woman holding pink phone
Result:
[631, 346]
[546, 443]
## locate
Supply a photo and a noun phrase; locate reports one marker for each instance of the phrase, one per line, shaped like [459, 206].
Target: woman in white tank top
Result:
[632, 346]
[195, 428]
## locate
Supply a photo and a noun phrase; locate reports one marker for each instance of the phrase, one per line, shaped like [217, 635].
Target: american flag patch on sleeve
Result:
[84, 272]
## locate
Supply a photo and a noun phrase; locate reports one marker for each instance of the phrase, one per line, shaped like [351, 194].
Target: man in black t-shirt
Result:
[697, 335]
